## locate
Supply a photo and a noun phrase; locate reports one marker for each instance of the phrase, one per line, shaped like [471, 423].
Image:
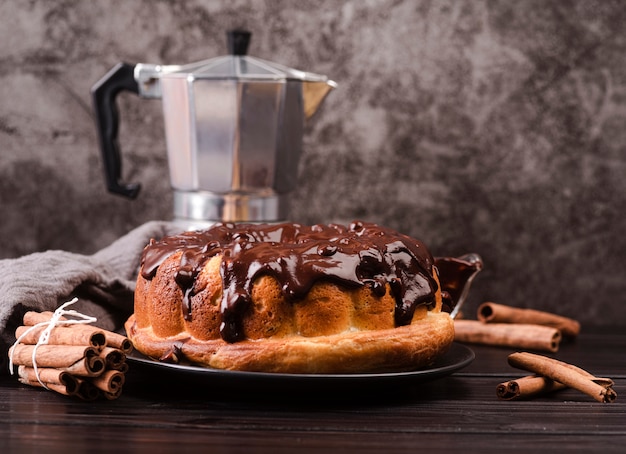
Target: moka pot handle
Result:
[104, 93]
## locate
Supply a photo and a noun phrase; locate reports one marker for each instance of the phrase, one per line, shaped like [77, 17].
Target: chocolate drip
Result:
[298, 257]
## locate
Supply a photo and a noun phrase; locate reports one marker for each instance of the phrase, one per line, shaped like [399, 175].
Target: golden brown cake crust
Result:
[335, 327]
[403, 348]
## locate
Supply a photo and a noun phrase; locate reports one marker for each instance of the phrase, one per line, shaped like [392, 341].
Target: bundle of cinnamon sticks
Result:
[506, 326]
[77, 359]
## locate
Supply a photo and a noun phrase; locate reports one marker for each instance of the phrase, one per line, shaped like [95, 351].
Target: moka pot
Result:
[233, 126]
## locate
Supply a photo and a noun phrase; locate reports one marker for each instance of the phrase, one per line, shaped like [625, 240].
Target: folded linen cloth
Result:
[104, 282]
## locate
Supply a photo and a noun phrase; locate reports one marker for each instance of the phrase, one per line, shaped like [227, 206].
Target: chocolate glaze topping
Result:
[298, 256]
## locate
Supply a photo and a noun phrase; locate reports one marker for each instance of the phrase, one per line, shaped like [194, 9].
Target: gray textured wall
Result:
[489, 126]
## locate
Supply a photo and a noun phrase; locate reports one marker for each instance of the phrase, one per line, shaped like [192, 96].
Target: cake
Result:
[289, 298]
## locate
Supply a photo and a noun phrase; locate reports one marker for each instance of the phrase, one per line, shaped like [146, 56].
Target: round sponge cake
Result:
[292, 299]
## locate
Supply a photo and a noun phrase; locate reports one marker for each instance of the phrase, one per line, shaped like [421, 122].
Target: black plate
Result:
[458, 357]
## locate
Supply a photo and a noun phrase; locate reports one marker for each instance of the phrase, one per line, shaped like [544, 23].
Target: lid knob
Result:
[238, 41]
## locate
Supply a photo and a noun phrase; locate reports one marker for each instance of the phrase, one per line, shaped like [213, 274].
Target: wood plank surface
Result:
[459, 413]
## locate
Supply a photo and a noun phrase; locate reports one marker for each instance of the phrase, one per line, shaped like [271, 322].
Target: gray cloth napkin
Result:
[104, 282]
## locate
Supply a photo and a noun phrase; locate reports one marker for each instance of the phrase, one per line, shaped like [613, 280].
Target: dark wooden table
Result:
[457, 413]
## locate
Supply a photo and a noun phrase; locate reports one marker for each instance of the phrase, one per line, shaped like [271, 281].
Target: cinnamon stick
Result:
[58, 380]
[524, 336]
[601, 389]
[113, 358]
[499, 313]
[74, 359]
[50, 355]
[527, 387]
[111, 381]
[112, 339]
[87, 390]
[32, 318]
[89, 366]
[61, 335]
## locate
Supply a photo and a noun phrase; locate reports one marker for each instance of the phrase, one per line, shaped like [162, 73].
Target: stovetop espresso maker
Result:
[233, 128]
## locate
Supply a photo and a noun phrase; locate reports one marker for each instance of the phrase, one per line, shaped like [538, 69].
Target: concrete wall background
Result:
[489, 126]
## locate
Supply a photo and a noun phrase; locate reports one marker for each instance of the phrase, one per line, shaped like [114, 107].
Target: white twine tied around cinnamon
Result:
[44, 337]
